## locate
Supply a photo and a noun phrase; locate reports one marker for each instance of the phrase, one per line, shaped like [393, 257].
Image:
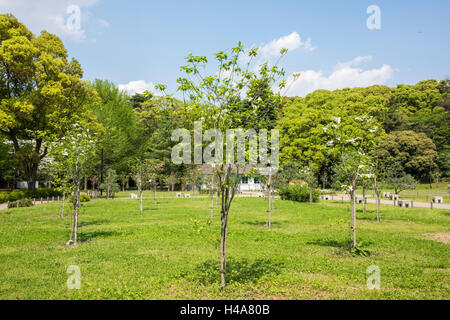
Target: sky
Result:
[333, 44]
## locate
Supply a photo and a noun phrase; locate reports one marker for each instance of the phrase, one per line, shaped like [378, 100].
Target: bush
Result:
[43, 193]
[83, 198]
[298, 192]
[25, 194]
[22, 203]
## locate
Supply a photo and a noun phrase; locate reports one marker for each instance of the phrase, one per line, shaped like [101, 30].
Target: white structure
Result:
[437, 200]
[386, 194]
[178, 194]
[187, 195]
[133, 196]
[24, 185]
[325, 197]
[405, 203]
[393, 197]
[250, 184]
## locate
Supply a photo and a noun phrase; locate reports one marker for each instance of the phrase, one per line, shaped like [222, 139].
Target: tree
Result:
[193, 176]
[171, 180]
[41, 92]
[118, 141]
[70, 155]
[219, 98]
[398, 179]
[351, 138]
[309, 175]
[110, 184]
[413, 152]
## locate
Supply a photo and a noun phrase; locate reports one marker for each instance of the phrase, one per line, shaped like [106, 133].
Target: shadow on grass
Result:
[261, 223]
[88, 236]
[241, 270]
[92, 223]
[329, 243]
[342, 244]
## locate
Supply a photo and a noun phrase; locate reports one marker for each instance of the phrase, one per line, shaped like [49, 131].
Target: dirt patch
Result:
[443, 237]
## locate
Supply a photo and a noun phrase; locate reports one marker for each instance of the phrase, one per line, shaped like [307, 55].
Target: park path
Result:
[391, 202]
[4, 206]
[337, 197]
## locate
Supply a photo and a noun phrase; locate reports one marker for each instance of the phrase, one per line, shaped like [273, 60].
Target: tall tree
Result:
[40, 91]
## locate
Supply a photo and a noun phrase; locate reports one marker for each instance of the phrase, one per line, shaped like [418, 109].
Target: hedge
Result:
[25, 194]
[299, 193]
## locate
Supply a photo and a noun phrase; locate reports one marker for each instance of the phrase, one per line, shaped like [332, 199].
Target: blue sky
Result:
[136, 44]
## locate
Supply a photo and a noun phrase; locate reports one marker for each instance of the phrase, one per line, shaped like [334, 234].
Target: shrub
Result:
[83, 198]
[43, 193]
[297, 192]
[24, 193]
[4, 197]
[22, 203]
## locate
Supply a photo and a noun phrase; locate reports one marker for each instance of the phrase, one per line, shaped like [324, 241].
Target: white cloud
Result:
[138, 86]
[291, 42]
[53, 16]
[344, 75]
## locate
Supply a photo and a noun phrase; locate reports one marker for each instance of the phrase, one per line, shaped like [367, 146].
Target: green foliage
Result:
[23, 194]
[41, 92]
[297, 192]
[22, 203]
[110, 185]
[361, 250]
[83, 198]
[413, 153]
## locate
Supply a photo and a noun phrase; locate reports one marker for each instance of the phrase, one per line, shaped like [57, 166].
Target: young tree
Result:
[110, 184]
[193, 176]
[171, 180]
[219, 97]
[70, 156]
[310, 176]
[351, 140]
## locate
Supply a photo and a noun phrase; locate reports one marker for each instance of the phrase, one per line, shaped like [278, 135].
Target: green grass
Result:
[161, 254]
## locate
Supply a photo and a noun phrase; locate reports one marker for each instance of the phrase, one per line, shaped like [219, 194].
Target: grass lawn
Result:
[169, 252]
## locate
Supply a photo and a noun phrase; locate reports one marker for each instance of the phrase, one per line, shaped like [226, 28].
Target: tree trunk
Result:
[269, 222]
[223, 235]
[211, 195]
[378, 206]
[101, 169]
[63, 204]
[364, 198]
[140, 199]
[74, 233]
[353, 228]
[310, 194]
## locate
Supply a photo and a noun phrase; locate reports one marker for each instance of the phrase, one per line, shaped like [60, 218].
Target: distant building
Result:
[247, 183]
[24, 185]
[250, 184]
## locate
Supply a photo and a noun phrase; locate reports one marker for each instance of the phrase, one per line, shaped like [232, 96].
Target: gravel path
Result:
[391, 202]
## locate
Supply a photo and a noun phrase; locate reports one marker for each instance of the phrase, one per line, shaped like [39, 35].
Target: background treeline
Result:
[414, 118]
